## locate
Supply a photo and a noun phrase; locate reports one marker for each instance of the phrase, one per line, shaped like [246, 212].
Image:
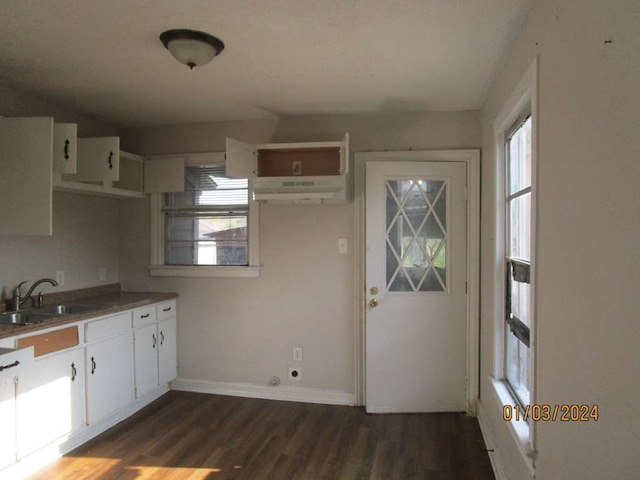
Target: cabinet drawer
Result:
[143, 316]
[51, 341]
[166, 310]
[107, 327]
[14, 361]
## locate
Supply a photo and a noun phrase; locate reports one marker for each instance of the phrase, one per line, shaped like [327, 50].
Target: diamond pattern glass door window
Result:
[416, 235]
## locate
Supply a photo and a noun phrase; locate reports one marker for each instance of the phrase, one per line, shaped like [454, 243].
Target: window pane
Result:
[517, 371]
[520, 227]
[207, 185]
[206, 253]
[519, 152]
[518, 223]
[207, 223]
[205, 240]
[520, 301]
[416, 222]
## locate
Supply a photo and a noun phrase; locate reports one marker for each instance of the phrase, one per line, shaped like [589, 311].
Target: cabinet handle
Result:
[161, 337]
[145, 316]
[155, 340]
[93, 365]
[110, 161]
[168, 309]
[74, 372]
[11, 365]
[66, 149]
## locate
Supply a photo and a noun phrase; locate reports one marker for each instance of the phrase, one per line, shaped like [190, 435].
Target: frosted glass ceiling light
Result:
[191, 47]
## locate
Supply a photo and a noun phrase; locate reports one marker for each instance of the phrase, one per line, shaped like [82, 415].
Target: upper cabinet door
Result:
[98, 160]
[65, 141]
[26, 175]
[241, 159]
[164, 175]
[345, 154]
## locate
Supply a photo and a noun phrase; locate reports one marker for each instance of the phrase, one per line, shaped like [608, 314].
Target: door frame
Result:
[471, 157]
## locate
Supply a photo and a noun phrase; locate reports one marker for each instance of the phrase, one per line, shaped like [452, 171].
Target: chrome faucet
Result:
[17, 300]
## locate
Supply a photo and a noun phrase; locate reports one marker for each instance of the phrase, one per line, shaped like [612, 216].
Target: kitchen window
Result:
[210, 228]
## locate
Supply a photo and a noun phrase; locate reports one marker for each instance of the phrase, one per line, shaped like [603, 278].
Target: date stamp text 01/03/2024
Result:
[550, 413]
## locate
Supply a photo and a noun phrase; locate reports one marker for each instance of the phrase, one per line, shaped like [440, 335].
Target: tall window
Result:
[518, 259]
[208, 223]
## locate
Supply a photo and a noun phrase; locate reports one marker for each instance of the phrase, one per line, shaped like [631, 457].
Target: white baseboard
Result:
[281, 392]
[494, 454]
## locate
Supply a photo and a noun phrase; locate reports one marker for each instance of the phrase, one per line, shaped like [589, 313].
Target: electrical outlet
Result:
[295, 373]
[60, 277]
[297, 354]
[102, 274]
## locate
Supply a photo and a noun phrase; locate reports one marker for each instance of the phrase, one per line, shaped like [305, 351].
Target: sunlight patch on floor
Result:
[172, 472]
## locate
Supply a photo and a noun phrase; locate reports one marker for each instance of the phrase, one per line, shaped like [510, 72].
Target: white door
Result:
[416, 263]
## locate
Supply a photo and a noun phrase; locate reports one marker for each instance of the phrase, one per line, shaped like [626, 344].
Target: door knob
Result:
[373, 290]
[373, 303]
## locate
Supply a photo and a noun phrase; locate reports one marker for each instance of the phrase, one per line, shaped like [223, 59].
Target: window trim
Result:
[522, 101]
[158, 268]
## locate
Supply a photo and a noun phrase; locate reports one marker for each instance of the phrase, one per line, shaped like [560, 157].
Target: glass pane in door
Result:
[416, 235]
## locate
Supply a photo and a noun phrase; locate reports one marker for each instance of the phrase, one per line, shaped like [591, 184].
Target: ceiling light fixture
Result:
[190, 47]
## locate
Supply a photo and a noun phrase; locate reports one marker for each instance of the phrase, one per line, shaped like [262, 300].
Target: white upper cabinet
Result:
[98, 160]
[307, 159]
[65, 147]
[136, 176]
[26, 175]
[311, 172]
[131, 176]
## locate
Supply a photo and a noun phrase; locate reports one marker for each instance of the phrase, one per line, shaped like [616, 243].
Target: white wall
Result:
[242, 330]
[588, 268]
[85, 228]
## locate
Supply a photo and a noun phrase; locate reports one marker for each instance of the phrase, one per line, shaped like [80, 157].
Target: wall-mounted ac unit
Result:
[293, 172]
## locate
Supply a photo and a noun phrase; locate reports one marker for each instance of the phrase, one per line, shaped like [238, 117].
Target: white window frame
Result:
[158, 268]
[523, 98]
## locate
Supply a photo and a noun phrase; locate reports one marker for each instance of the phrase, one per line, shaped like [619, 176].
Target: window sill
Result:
[204, 271]
[520, 429]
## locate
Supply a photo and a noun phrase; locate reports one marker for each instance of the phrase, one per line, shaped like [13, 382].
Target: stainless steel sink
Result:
[65, 309]
[42, 314]
[23, 318]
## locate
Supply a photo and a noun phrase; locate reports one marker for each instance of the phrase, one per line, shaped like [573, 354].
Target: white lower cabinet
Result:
[167, 353]
[50, 400]
[146, 346]
[75, 390]
[12, 365]
[7, 420]
[109, 372]
[155, 352]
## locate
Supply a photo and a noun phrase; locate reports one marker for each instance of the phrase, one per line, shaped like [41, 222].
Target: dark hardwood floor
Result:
[198, 436]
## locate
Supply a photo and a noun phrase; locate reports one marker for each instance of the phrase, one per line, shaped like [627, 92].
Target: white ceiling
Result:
[282, 57]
